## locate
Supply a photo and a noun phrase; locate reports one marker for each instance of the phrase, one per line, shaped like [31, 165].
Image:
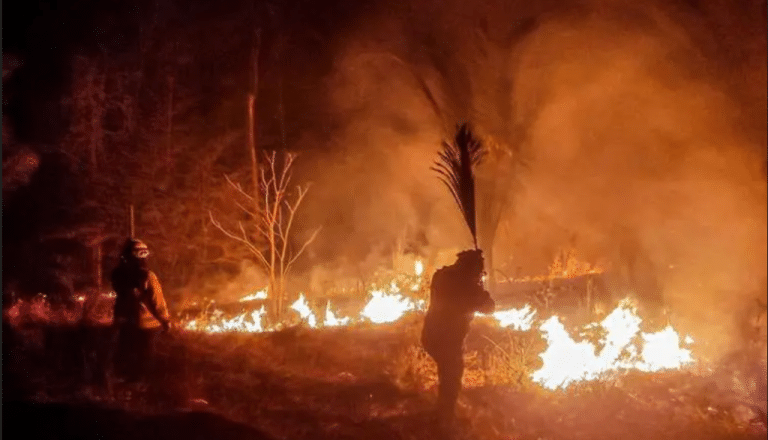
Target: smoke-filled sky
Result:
[639, 126]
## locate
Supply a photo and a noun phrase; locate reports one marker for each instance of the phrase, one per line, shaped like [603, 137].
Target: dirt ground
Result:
[350, 383]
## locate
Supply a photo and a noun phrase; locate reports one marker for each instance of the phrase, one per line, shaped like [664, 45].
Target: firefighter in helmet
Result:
[140, 311]
[456, 294]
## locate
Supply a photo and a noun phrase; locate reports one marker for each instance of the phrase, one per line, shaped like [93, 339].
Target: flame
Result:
[331, 320]
[661, 350]
[566, 361]
[566, 265]
[383, 308]
[621, 346]
[302, 307]
[239, 323]
[418, 268]
[261, 294]
[518, 319]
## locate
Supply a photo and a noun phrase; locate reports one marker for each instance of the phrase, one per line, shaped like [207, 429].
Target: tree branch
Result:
[238, 188]
[243, 239]
[303, 247]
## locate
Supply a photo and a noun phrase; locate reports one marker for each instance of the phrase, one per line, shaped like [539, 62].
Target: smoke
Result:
[634, 142]
[642, 130]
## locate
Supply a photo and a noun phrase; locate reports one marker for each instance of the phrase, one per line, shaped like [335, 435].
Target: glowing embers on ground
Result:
[624, 347]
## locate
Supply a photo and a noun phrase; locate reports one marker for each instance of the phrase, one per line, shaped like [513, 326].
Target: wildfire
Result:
[261, 294]
[418, 268]
[330, 318]
[247, 322]
[387, 308]
[621, 346]
[518, 319]
[302, 307]
[624, 348]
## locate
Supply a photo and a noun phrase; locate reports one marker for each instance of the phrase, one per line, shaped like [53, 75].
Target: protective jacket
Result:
[140, 302]
[454, 298]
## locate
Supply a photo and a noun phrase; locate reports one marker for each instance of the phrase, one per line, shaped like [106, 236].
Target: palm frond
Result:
[455, 169]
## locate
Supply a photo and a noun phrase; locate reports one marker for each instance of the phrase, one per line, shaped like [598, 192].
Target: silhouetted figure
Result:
[456, 294]
[140, 310]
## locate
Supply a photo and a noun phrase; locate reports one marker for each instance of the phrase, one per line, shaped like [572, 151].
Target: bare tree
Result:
[271, 225]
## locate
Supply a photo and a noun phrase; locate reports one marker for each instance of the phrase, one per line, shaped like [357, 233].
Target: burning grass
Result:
[366, 381]
[360, 373]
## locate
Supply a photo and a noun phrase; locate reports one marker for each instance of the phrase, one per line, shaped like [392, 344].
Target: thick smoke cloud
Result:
[634, 141]
[641, 127]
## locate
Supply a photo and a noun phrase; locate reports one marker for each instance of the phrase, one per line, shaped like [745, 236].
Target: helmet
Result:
[136, 249]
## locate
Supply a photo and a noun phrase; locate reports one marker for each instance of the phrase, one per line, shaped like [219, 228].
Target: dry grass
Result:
[361, 382]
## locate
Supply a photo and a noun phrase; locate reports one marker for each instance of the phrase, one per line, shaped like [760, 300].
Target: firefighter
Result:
[456, 294]
[140, 311]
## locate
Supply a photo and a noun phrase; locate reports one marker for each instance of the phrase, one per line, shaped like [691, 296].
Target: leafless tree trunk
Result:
[272, 224]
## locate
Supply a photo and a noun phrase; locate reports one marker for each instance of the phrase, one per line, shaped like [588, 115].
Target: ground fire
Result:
[622, 346]
[611, 348]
